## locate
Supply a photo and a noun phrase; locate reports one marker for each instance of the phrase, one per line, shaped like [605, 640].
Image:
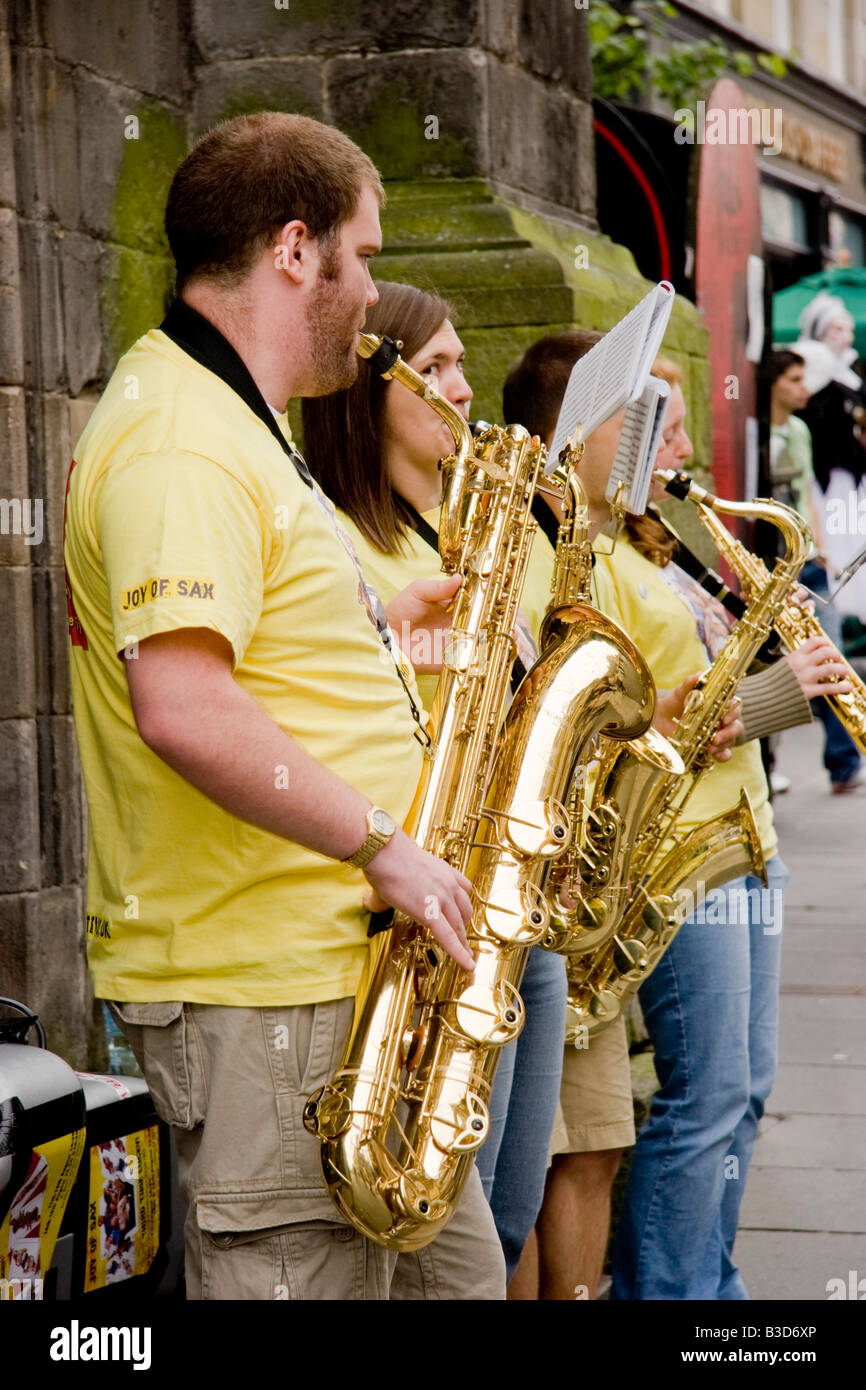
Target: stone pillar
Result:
[497, 89]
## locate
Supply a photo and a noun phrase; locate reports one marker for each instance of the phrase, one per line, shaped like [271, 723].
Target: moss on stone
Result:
[145, 174]
[136, 291]
[138, 269]
[490, 356]
[393, 137]
[512, 277]
[281, 96]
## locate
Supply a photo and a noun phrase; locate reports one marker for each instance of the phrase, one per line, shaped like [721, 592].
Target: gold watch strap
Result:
[376, 840]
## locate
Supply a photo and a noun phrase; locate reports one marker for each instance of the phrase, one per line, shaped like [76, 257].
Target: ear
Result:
[294, 251]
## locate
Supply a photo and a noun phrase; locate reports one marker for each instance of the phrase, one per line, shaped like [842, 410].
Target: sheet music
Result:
[638, 445]
[614, 371]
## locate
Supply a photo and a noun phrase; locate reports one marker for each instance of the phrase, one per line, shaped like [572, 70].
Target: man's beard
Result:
[333, 360]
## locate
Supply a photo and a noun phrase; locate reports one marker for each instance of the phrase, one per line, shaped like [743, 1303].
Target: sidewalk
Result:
[803, 1218]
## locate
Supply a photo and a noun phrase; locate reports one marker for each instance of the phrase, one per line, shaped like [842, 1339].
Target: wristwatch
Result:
[381, 828]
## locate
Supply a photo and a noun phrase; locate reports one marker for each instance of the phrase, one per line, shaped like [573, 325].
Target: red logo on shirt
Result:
[77, 635]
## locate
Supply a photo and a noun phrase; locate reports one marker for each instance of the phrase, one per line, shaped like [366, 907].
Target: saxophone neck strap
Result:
[546, 520]
[422, 527]
[202, 341]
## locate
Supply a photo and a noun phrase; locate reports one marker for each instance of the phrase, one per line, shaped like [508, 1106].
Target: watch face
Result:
[382, 822]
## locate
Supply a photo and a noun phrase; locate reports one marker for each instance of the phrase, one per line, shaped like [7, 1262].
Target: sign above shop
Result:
[814, 148]
[772, 128]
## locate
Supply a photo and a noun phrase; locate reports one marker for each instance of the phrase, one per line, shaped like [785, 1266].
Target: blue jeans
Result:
[841, 756]
[513, 1161]
[711, 1008]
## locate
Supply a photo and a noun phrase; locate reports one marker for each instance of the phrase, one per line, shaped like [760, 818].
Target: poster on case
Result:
[123, 1208]
[29, 1231]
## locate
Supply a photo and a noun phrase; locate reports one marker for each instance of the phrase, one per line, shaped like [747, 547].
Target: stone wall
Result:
[80, 218]
[478, 114]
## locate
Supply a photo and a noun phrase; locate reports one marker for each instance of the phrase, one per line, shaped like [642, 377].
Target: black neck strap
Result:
[207, 346]
[423, 528]
[545, 518]
[198, 337]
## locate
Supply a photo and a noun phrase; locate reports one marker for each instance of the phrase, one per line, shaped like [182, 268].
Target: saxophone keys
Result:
[417, 1197]
[489, 1018]
[658, 913]
[537, 829]
[518, 917]
[461, 1126]
[604, 1007]
[577, 1025]
[413, 1045]
[465, 653]
[327, 1113]
[630, 958]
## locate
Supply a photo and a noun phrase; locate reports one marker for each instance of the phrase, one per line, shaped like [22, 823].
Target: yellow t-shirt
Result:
[416, 559]
[663, 626]
[183, 511]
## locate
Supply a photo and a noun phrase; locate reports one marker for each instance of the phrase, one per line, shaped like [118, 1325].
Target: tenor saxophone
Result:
[722, 848]
[401, 1120]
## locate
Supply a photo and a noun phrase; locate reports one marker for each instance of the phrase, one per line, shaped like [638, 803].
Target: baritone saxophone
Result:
[403, 1117]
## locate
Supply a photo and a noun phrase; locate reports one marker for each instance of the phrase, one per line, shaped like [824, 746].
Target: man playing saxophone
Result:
[710, 1006]
[249, 758]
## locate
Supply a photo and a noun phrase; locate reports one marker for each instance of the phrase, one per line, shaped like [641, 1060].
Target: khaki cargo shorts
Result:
[233, 1083]
[595, 1100]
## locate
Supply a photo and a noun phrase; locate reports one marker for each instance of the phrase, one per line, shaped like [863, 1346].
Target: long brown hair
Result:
[343, 431]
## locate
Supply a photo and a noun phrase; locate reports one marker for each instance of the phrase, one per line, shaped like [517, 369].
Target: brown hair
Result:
[535, 386]
[248, 177]
[343, 431]
[532, 396]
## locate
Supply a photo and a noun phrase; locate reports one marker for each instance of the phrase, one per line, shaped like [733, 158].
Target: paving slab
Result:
[797, 1264]
[820, 1040]
[803, 1218]
[801, 1199]
[805, 1006]
[802, 933]
[832, 969]
[818, 1090]
[804, 1141]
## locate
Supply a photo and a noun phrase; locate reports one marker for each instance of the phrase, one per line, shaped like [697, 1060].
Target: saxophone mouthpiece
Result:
[382, 353]
[681, 485]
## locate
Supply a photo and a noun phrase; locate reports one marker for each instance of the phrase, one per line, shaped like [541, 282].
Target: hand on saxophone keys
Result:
[819, 667]
[426, 889]
[672, 703]
[420, 618]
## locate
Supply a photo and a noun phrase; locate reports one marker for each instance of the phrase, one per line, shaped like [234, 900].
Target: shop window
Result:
[847, 234]
[784, 217]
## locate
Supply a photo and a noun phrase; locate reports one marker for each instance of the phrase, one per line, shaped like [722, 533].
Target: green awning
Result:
[849, 283]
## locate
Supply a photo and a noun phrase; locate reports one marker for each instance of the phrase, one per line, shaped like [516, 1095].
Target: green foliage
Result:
[773, 64]
[688, 70]
[619, 43]
[616, 45]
